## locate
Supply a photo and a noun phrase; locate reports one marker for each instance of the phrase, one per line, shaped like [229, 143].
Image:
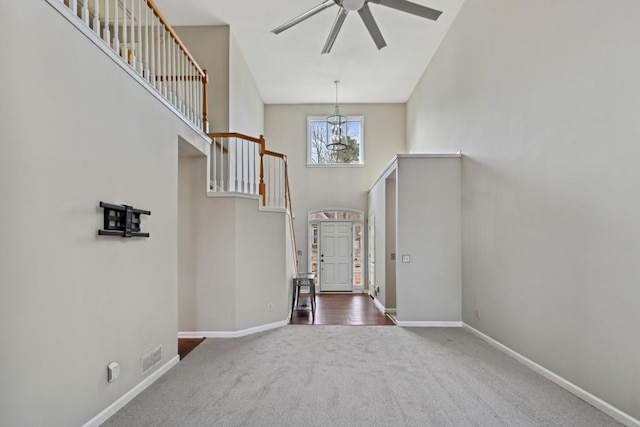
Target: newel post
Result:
[205, 80]
[262, 187]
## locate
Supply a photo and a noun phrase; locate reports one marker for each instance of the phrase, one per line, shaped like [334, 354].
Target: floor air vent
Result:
[151, 359]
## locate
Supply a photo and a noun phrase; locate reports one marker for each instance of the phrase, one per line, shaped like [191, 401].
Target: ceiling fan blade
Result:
[372, 26]
[412, 8]
[337, 25]
[308, 14]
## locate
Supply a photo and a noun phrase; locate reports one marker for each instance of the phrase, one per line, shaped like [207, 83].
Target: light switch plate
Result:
[406, 258]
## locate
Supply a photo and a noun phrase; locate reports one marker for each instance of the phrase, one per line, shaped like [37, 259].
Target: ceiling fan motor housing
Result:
[352, 5]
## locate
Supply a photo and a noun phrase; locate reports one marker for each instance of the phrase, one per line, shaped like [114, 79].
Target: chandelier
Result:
[337, 124]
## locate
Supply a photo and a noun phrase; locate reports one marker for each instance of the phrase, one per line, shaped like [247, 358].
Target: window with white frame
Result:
[319, 134]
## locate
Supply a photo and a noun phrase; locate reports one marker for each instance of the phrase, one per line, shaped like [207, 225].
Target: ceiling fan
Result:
[362, 6]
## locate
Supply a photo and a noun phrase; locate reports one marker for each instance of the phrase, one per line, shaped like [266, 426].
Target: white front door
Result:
[336, 256]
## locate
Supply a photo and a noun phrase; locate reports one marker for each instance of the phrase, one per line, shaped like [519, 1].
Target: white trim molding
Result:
[595, 401]
[429, 324]
[95, 39]
[233, 334]
[379, 305]
[110, 410]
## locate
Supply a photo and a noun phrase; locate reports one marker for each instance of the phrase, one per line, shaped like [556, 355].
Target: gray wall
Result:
[390, 241]
[210, 46]
[77, 130]
[429, 230]
[234, 262]
[246, 109]
[377, 207]
[543, 99]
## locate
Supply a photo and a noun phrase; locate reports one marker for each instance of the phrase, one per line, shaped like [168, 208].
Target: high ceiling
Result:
[289, 69]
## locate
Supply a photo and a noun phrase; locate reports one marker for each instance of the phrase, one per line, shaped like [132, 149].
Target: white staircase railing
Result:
[141, 36]
[242, 164]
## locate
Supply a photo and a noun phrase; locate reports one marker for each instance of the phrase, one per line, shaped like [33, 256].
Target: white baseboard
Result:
[595, 401]
[429, 324]
[378, 305]
[128, 396]
[233, 334]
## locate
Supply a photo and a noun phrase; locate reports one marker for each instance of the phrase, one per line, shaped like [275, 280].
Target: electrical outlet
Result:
[406, 258]
[113, 371]
[270, 306]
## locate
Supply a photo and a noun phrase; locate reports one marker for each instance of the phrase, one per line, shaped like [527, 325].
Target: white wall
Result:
[429, 287]
[246, 109]
[315, 188]
[76, 130]
[546, 109]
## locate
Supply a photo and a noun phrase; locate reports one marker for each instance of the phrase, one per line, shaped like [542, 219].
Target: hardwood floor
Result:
[185, 345]
[343, 309]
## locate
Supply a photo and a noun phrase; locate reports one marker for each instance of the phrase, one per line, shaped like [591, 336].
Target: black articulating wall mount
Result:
[122, 220]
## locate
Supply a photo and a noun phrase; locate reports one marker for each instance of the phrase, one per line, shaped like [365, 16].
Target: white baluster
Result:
[245, 166]
[183, 81]
[214, 158]
[172, 69]
[106, 36]
[153, 74]
[199, 99]
[232, 164]
[116, 27]
[139, 46]
[125, 26]
[96, 17]
[256, 167]
[252, 168]
[146, 44]
[189, 91]
[273, 181]
[84, 14]
[165, 75]
[73, 5]
[133, 50]
[222, 163]
[281, 163]
[176, 75]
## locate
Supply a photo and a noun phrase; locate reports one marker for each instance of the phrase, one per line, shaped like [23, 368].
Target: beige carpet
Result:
[355, 376]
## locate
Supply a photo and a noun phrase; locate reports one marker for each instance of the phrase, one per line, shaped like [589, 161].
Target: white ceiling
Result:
[289, 69]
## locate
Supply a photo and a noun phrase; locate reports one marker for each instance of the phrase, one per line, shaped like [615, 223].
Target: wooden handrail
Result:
[274, 154]
[171, 31]
[236, 135]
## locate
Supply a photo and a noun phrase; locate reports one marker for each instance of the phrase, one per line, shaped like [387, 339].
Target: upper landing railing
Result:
[141, 36]
[242, 164]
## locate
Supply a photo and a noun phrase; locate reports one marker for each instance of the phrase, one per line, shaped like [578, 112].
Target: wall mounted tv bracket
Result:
[122, 220]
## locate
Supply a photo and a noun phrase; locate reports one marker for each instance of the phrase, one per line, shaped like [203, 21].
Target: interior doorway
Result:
[335, 249]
